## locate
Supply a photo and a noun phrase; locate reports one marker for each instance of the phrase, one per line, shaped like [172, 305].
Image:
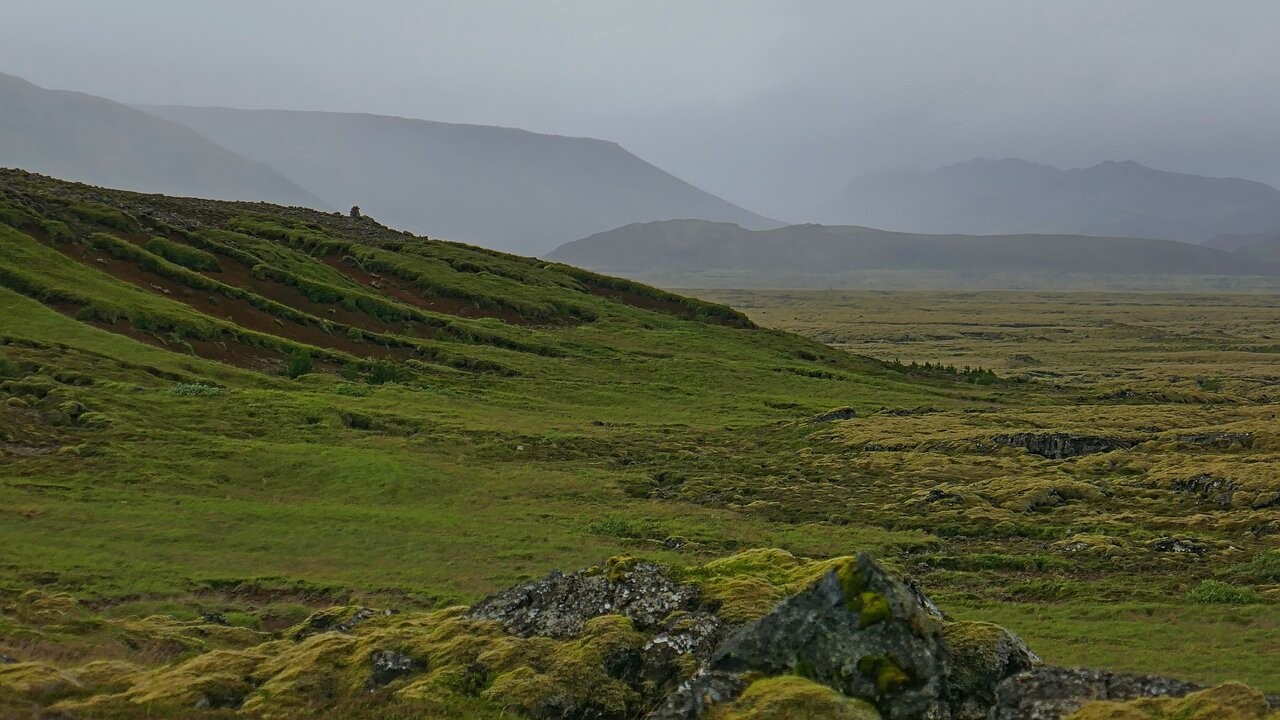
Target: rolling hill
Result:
[1256, 246]
[1013, 196]
[806, 255]
[499, 187]
[141, 333]
[97, 141]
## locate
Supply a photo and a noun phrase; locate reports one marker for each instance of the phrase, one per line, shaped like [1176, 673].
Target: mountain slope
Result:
[1263, 246]
[499, 187]
[1115, 199]
[1266, 248]
[819, 251]
[94, 140]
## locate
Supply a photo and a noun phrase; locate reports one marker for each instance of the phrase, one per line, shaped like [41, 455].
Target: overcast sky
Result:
[772, 104]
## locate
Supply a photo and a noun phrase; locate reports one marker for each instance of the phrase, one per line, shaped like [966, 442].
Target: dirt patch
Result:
[228, 352]
[241, 275]
[237, 311]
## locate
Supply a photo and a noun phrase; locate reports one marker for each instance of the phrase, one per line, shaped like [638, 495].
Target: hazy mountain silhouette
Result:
[1258, 246]
[90, 139]
[1115, 199]
[682, 247]
[499, 187]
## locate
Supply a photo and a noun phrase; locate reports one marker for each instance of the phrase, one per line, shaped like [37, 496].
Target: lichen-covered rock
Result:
[1180, 546]
[857, 630]
[1050, 693]
[560, 605]
[1218, 440]
[706, 692]
[388, 665]
[1063, 445]
[1209, 488]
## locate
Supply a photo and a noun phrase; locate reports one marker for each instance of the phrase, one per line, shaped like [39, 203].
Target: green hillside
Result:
[470, 416]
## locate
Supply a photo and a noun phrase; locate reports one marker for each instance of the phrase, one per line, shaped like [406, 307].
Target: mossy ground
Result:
[1230, 701]
[789, 697]
[537, 417]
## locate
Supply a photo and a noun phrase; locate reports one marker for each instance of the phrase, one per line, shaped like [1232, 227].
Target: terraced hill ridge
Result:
[250, 284]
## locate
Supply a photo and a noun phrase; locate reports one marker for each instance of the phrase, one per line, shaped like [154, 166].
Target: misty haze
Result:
[666, 360]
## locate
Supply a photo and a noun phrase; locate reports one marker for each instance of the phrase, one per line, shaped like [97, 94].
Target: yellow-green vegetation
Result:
[1230, 701]
[788, 697]
[459, 420]
[1177, 526]
[747, 585]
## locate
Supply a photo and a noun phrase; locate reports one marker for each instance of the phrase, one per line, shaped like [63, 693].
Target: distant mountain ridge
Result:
[94, 140]
[505, 188]
[654, 250]
[1012, 196]
[1257, 246]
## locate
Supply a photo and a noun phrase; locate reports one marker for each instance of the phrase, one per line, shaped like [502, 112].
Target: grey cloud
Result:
[774, 105]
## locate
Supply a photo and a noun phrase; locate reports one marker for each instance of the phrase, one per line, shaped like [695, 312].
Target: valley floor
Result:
[1162, 555]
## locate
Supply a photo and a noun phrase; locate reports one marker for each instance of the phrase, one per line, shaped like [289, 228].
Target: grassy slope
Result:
[452, 482]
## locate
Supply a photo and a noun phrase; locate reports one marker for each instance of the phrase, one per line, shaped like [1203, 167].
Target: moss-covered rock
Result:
[789, 697]
[857, 630]
[982, 655]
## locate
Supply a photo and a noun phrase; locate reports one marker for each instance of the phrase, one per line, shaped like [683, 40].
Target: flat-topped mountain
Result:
[501, 187]
[1009, 196]
[98, 141]
[655, 250]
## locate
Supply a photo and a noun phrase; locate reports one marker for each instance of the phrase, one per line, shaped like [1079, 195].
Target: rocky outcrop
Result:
[622, 640]
[1049, 693]
[1209, 488]
[1218, 440]
[1180, 546]
[388, 665]
[1059, 446]
[867, 635]
[559, 605]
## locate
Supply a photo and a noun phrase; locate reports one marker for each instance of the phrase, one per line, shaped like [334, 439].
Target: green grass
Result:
[1200, 643]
